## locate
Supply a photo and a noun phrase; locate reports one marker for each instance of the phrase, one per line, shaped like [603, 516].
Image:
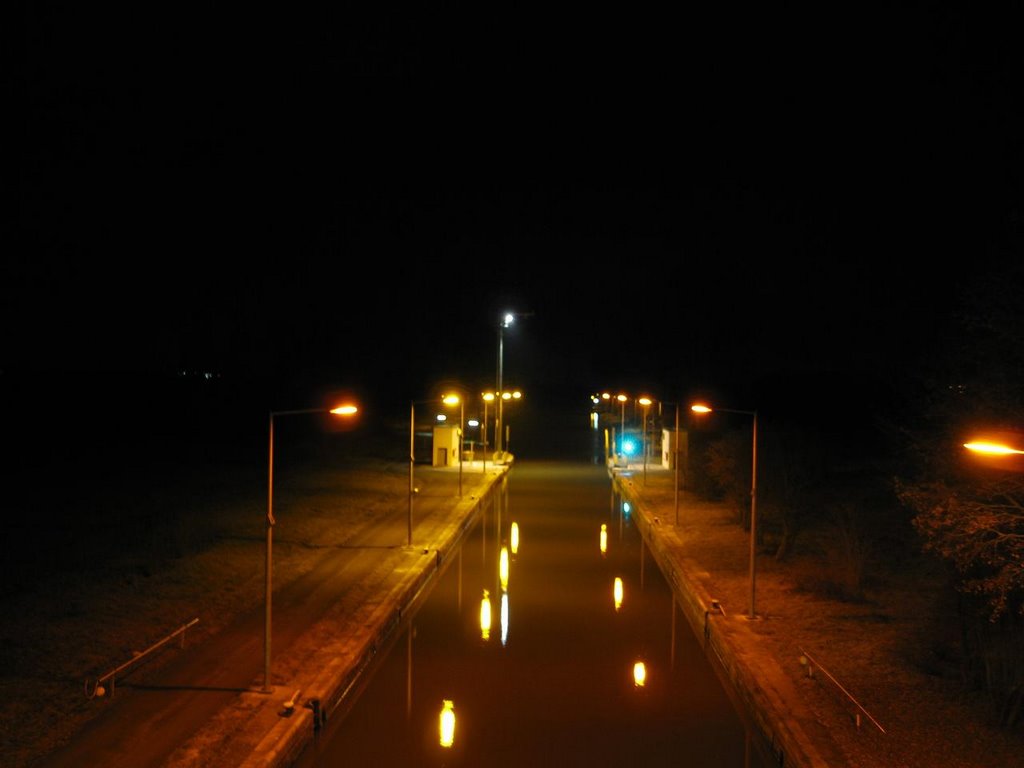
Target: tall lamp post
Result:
[506, 320]
[342, 410]
[753, 497]
[412, 462]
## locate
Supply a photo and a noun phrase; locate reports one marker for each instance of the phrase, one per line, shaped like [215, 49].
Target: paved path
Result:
[206, 707]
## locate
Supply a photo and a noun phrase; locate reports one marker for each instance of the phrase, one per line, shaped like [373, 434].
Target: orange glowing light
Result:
[503, 568]
[992, 449]
[485, 615]
[447, 724]
[639, 674]
[345, 410]
[617, 592]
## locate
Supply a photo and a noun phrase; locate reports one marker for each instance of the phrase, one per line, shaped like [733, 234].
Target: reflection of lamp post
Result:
[646, 403]
[753, 495]
[342, 410]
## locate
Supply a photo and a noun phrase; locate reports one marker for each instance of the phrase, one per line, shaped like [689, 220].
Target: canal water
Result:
[586, 658]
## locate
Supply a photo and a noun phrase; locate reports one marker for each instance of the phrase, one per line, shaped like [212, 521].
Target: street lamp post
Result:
[646, 403]
[622, 421]
[452, 400]
[504, 397]
[488, 397]
[675, 459]
[506, 320]
[342, 410]
[753, 498]
[412, 457]
[412, 462]
[675, 462]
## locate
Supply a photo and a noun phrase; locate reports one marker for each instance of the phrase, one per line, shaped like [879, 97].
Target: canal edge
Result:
[770, 701]
[284, 743]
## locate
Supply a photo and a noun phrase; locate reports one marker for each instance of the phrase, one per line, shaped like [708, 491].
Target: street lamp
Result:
[504, 397]
[412, 456]
[412, 462]
[675, 459]
[342, 410]
[488, 398]
[456, 400]
[646, 403]
[506, 320]
[622, 420]
[753, 496]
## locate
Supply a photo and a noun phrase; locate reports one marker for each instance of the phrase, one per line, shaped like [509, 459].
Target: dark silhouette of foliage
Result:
[968, 509]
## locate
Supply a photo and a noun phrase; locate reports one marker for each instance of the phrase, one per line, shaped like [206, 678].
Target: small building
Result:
[446, 446]
[668, 449]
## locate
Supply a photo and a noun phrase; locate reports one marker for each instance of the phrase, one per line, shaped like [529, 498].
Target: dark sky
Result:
[323, 198]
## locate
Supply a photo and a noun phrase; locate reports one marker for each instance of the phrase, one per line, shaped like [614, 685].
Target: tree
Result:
[968, 513]
[979, 527]
[973, 515]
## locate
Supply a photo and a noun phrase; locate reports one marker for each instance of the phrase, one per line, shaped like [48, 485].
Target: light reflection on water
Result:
[561, 686]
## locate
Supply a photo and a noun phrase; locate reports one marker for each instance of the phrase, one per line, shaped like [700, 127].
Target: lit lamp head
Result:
[1002, 450]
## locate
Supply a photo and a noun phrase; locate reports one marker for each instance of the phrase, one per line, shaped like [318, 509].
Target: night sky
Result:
[298, 201]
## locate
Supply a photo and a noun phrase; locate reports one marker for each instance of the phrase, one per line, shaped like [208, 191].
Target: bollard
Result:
[318, 716]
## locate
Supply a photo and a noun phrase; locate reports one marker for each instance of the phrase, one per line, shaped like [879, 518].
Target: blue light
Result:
[629, 446]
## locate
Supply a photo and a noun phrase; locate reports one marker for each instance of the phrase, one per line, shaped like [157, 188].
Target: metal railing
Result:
[98, 688]
[810, 662]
